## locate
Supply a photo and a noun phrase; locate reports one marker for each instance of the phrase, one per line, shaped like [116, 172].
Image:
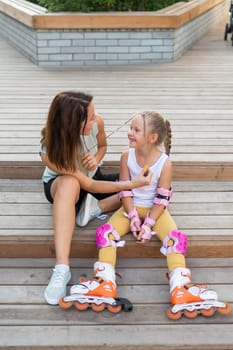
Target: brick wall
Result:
[107, 47]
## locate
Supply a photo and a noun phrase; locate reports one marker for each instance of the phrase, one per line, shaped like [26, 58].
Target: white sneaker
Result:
[88, 211]
[56, 288]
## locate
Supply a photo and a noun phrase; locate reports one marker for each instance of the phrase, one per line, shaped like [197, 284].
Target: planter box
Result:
[78, 39]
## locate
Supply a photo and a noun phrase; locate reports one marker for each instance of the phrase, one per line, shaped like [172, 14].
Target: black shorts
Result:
[98, 176]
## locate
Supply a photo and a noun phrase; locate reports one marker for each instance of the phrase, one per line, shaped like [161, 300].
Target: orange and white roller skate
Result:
[191, 300]
[98, 293]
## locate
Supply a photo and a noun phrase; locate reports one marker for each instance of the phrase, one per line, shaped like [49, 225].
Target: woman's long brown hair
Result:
[61, 135]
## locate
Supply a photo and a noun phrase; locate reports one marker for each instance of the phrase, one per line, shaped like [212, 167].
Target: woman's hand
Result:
[142, 179]
[89, 161]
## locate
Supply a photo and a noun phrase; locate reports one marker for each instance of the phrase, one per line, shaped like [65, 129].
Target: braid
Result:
[168, 138]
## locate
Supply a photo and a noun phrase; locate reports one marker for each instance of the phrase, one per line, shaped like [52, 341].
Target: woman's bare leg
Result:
[65, 192]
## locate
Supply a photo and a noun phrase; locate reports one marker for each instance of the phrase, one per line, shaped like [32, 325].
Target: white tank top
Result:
[144, 196]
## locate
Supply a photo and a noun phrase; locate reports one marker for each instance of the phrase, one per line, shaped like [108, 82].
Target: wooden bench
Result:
[21, 10]
[172, 17]
[203, 210]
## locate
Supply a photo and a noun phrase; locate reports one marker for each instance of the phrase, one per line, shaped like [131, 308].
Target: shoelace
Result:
[102, 217]
[58, 277]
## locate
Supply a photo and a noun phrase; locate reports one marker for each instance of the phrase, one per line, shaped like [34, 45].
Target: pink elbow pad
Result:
[124, 194]
[162, 196]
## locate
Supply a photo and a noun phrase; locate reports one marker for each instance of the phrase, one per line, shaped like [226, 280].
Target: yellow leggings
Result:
[163, 226]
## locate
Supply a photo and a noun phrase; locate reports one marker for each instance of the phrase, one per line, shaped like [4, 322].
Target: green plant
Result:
[103, 5]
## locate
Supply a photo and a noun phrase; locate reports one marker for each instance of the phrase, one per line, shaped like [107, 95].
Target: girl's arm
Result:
[91, 185]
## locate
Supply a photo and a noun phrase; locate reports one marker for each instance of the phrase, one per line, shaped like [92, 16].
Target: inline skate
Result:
[191, 300]
[97, 293]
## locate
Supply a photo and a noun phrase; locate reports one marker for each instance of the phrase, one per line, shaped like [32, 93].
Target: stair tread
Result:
[27, 321]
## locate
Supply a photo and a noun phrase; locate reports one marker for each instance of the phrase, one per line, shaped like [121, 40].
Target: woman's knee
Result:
[66, 186]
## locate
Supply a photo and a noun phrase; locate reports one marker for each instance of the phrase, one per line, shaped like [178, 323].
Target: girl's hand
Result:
[145, 234]
[142, 179]
[89, 161]
[135, 222]
[146, 231]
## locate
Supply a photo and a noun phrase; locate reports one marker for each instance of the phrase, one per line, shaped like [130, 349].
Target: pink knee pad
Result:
[102, 237]
[179, 243]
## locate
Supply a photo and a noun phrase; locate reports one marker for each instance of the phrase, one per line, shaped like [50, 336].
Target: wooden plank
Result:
[129, 276]
[204, 336]
[30, 185]
[16, 209]
[80, 263]
[184, 222]
[142, 314]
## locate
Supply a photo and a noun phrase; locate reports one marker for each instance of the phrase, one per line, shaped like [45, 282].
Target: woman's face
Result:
[90, 118]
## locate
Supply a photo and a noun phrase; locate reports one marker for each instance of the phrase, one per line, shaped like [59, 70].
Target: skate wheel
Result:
[98, 308]
[65, 304]
[173, 316]
[81, 306]
[190, 314]
[224, 310]
[114, 309]
[208, 313]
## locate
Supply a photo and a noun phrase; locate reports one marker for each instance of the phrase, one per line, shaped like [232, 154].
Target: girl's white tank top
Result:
[144, 196]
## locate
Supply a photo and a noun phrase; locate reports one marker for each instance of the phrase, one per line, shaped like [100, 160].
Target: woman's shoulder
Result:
[99, 122]
[99, 119]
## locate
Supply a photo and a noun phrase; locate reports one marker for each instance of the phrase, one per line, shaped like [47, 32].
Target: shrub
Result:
[103, 5]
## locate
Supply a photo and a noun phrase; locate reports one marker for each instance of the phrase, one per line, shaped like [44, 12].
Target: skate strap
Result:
[148, 233]
[135, 221]
[103, 239]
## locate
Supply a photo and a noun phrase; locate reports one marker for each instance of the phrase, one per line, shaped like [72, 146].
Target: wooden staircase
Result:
[201, 209]
[199, 105]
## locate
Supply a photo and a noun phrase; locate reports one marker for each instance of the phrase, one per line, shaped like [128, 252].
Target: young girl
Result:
[144, 213]
[71, 161]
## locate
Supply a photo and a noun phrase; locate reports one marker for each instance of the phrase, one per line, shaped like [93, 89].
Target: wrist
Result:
[126, 185]
[150, 222]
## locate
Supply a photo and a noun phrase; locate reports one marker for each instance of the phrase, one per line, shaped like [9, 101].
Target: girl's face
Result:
[136, 134]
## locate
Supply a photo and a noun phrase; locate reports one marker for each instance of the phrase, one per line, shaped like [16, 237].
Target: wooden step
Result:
[197, 102]
[27, 322]
[201, 209]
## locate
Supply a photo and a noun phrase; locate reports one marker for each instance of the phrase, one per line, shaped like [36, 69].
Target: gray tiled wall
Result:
[107, 47]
